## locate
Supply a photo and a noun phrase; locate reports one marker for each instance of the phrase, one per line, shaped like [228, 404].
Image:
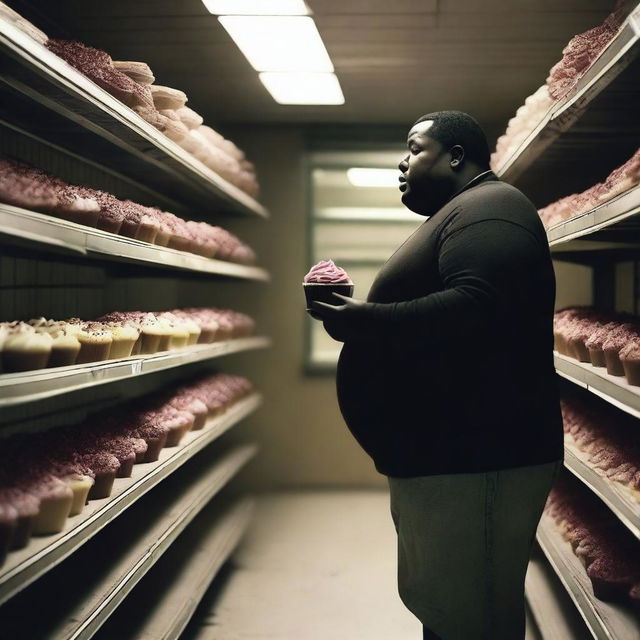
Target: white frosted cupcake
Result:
[64, 349]
[179, 330]
[25, 350]
[95, 344]
[124, 337]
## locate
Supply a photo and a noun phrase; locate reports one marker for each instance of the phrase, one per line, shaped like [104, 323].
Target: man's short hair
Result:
[450, 128]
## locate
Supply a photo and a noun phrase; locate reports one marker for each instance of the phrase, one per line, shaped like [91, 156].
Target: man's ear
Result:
[457, 156]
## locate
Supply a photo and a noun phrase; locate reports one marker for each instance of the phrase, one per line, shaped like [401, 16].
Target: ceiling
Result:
[395, 60]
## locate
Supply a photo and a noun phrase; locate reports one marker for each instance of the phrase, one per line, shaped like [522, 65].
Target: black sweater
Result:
[451, 370]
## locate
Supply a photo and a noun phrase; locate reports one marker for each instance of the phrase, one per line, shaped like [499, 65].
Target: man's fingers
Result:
[316, 303]
[339, 295]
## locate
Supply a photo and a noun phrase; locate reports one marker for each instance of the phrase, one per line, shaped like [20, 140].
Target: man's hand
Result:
[350, 309]
[345, 321]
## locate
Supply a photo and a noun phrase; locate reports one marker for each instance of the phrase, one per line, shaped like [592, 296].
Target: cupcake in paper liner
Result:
[323, 280]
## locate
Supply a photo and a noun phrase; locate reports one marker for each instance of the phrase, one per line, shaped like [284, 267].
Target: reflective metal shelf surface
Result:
[41, 554]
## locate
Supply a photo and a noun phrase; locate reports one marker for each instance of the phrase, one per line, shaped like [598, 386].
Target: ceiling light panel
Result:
[279, 43]
[257, 7]
[303, 88]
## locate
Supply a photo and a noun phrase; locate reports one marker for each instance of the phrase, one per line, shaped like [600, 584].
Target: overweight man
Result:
[446, 379]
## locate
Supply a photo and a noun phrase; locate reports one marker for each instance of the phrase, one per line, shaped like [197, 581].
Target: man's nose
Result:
[404, 164]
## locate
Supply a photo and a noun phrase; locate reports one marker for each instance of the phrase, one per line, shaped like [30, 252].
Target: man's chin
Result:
[412, 205]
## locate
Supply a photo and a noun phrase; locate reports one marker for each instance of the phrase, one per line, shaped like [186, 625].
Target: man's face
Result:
[425, 179]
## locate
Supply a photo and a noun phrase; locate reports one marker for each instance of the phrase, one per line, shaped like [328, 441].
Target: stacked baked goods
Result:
[608, 437]
[41, 342]
[9, 15]
[617, 182]
[132, 83]
[30, 188]
[47, 477]
[579, 54]
[601, 339]
[608, 551]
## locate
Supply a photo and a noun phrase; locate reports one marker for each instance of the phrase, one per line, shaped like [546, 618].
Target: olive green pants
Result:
[463, 547]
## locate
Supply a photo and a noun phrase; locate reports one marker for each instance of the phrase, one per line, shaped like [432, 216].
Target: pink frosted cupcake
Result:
[616, 341]
[8, 525]
[630, 358]
[27, 507]
[576, 338]
[596, 340]
[323, 280]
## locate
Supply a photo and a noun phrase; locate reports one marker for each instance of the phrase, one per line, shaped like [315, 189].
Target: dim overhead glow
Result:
[303, 88]
[367, 177]
[256, 7]
[279, 43]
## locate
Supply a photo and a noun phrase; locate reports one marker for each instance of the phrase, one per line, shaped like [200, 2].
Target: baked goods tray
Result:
[606, 620]
[616, 210]
[614, 389]
[186, 570]
[75, 238]
[562, 115]
[24, 566]
[553, 611]
[28, 386]
[127, 143]
[618, 497]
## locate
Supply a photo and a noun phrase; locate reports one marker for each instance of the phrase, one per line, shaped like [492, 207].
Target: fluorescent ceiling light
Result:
[279, 43]
[366, 177]
[303, 88]
[257, 7]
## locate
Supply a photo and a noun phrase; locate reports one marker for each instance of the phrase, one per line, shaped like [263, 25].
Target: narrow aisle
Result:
[315, 565]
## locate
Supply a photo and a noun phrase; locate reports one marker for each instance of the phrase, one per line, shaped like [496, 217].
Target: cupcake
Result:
[596, 340]
[24, 349]
[616, 340]
[630, 358]
[124, 337]
[8, 525]
[64, 349]
[55, 503]
[95, 344]
[27, 507]
[324, 279]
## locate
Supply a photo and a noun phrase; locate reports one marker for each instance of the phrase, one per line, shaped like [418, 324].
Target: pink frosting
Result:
[326, 272]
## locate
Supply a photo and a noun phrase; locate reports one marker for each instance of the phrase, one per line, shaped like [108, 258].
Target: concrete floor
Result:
[314, 565]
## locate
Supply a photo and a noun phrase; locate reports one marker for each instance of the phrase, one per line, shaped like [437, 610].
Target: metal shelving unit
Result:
[606, 621]
[106, 130]
[564, 113]
[614, 389]
[618, 498]
[28, 386]
[42, 554]
[187, 569]
[61, 235]
[553, 611]
[617, 210]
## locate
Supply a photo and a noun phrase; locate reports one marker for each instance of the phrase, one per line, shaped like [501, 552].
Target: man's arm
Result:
[479, 266]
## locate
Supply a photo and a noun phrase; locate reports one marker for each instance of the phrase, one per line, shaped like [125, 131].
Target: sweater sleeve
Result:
[479, 265]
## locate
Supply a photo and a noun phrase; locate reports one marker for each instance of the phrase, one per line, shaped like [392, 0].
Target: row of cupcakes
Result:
[602, 339]
[578, 55]
[621, 179]
[132, 83]
[608, 551]
[42, 343]
[47, 477]
[31, 188]
[608, 437]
